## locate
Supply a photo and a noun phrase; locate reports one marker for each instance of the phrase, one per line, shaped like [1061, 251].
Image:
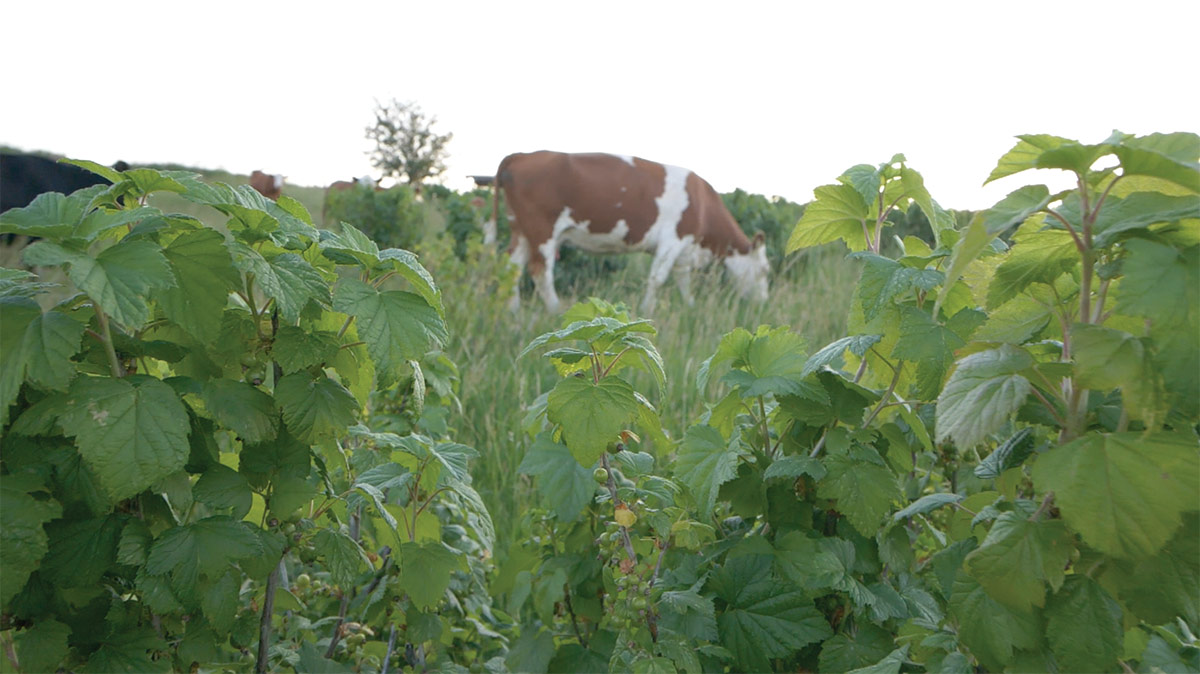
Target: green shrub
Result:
[391, 218]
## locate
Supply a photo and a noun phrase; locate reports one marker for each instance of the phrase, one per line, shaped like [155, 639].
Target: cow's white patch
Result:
[623, 188]
[749, 272]
[625, 158]
[612, 241]
[619, 204]
[663, 236]
[277, 179]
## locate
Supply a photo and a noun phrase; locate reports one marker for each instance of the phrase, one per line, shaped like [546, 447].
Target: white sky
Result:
[775, 98]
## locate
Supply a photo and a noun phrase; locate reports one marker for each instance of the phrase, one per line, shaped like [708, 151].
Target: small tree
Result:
[406, 147]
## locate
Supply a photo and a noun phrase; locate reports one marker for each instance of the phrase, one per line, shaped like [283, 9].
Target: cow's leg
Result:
[518, 253]
[683, 278]
[660, 269]
[543, 278]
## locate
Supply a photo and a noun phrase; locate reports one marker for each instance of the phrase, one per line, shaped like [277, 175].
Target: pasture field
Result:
[236, 440]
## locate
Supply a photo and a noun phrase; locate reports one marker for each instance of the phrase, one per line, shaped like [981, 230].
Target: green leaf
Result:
[591, 415]
[1166, 585]
[343, 556]
[129, 651]
[833, 354]
[992, 631]
[284, 457]
[846, 652]
[1138, 211]
[928, 344]
[119, 279]
[36, 346]
[244, 409]
[1018, 557]
[705, 462]
[223, 487]
[206, 547]
[81, 551]
[50, 215]
[1169, 156]
[837, 212]
[566, 486]
[763, 620]
[601, 332]
[1123, 492]
[808, 562]
[135, 543]
[1037, 257]
[24, 541]
[794, 466]
[219, 601]
[1010, 454]
[425, 571]
[287, 278]
[397, 326]
[863, 487]
[1159, 283]
[1048, 152]
[43, 646]
[296, 349]
[689, 614]
[132, 432]
[315, 407]
[204, 276]
[1083, 626]
[405, 263]
[927, 504]
[982, 393]
[883, 280]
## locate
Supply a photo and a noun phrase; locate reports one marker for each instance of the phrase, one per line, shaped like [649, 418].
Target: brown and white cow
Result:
[268, 185]
[603, 203]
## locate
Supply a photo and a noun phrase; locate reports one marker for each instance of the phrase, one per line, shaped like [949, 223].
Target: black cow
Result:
[24, 176]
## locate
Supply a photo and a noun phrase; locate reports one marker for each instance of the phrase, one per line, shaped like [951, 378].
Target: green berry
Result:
[600, 475]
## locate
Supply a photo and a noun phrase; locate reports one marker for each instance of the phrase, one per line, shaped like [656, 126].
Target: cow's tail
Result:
[489, 227]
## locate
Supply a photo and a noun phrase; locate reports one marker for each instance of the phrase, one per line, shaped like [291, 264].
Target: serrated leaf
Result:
[132, 432]
[704, 462]
[21, 531]
[565, 485]
[1167, 585]
[763, 620]
[219, 601]
[343, 556]
[206, 547]
[689, 614]
[927, 504]
[425, 571]
[1047, 152]
[930, 345]
[204, 276]
[1083, 626]
[297, 349]
[981, 394]
[129, 652]
[1010, 454]
[1123, 492]
[315, 407]
[794, 466]
[863, 487]
[222, 487]
[807, 562]
[397, 326]
[81, 551]
[837, 212]
[833, 354]
[846, 652]
[134, 544]
[591, 415]
[51, 215]
[1138, 211]
[406, 264]
[1036, 257]
[1169, 156]
[245, 409]
[883, 280]
[43, 646]
[287, 278]
[992, 631]
[1018, 557]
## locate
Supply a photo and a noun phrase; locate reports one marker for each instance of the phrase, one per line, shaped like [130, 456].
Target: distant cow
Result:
[603, 203]
[268, 185]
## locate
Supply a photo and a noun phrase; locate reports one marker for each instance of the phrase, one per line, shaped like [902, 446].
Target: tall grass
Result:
[811, 296]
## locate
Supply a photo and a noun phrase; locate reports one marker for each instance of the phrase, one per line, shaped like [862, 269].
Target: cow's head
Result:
[749, 270]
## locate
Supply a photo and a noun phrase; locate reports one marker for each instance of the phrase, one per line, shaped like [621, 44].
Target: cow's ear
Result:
[759, 239]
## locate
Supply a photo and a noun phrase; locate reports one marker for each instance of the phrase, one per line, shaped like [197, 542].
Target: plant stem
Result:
[887, 394]
[387, 658]
[612, 491]
[1037, 515]
[114, 363]
[264, 623]
[346, 594]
